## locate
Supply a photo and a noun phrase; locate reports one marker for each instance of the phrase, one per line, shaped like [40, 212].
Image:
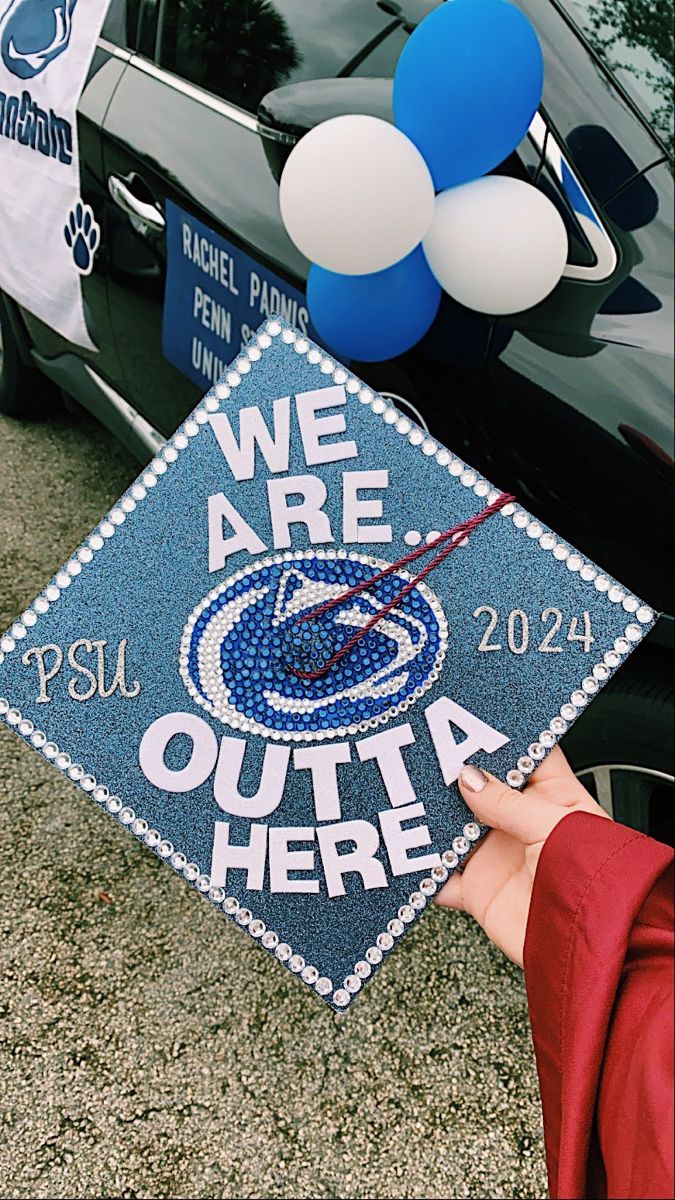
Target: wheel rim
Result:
[638, 796]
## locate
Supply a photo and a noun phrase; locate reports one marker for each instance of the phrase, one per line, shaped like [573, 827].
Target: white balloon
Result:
[497, 245]
[356, 195]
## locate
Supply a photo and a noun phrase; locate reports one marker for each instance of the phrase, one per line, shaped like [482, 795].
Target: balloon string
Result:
[449, 541]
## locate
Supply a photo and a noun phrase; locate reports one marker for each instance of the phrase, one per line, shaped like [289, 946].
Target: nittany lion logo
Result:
[33, 33]
[245, 643]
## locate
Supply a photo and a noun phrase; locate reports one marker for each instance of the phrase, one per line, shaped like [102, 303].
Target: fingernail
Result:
[473, 779]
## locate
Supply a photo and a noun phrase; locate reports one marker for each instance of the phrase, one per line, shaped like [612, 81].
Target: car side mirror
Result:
[287, 113]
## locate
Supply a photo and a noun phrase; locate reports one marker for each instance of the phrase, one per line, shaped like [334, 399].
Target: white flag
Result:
[48, 236]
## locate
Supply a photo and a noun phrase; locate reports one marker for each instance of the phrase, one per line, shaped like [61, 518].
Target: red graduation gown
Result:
[599, 976]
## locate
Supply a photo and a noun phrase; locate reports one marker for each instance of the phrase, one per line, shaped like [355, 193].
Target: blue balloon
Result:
[374, 317]
[467, 86]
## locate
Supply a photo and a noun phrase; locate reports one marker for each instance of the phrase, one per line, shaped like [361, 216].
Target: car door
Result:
[592, 360]
[198, 254]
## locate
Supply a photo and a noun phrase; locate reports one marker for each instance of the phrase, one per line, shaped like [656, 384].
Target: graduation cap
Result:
[272, 657]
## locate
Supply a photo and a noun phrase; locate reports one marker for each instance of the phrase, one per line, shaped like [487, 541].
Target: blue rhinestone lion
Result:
[245, 642]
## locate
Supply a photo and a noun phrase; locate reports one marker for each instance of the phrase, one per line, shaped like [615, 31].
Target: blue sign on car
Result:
[215, 298]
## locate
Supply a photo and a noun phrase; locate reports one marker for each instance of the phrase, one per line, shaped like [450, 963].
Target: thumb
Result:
[450, 895]
[519, 814]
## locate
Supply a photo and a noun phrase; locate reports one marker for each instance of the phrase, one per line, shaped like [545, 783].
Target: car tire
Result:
[24, 392]
[622, 749]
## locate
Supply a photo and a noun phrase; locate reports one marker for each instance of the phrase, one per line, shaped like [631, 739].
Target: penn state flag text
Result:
[48, 237]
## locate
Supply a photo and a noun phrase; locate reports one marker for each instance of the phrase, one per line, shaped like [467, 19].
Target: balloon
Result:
[467, 86]
[374, 317]
[496, 245]
[355, 194]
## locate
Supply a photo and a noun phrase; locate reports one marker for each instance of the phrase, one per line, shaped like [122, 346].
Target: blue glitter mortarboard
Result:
[219, 668]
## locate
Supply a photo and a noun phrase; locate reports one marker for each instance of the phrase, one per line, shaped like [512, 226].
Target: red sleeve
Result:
[599, 976]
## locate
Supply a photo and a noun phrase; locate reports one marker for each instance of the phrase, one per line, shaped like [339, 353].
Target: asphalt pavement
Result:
[148, 1049]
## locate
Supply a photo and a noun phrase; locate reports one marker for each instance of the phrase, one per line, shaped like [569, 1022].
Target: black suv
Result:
[187, 117]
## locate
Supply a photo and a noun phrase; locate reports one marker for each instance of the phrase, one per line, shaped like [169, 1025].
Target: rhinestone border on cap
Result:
[465, 476]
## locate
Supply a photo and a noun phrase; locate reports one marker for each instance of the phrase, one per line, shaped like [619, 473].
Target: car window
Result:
[242, 49]
[635, 38]
[121, 22]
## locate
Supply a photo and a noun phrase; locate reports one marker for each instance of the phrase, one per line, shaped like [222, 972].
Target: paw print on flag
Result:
[82, 235]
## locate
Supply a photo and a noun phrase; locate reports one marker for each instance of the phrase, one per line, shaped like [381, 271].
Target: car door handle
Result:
[144, 216]
[581, 204]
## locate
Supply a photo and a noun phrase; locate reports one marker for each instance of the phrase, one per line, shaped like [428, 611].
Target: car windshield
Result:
[635, 39]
